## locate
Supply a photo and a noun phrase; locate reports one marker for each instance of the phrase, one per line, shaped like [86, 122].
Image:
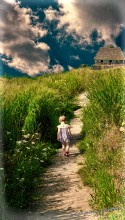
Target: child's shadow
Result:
[75, 139]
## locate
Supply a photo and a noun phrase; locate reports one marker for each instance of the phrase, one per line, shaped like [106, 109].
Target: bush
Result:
[27, 164]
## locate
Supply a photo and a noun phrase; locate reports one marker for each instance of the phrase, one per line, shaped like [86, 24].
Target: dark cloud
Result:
[72, 32]
[100, 12]
[31, 52]
[17, 39]
[84, 16]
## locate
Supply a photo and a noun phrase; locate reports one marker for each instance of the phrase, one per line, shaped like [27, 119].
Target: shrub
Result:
[23, 168]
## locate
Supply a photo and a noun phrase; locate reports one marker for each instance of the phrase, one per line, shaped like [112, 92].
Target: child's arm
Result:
[69, 129]
[58, 134]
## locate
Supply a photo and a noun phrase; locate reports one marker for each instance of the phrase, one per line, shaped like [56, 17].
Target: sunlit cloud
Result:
[70, 25]
[70, 68]
[10, 1]
[83, 17]
[51, 14]
[56, 68]
[18, 39]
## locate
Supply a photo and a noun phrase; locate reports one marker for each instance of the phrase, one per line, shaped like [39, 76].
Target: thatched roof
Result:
[109, 53]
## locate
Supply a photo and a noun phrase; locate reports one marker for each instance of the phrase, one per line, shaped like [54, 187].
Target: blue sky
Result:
[56, 35]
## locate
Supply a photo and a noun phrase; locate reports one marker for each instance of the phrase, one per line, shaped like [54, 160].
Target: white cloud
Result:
[83, 17]
[17, 39]
[56, 68]
[75, 57]
[28, 67]
[70, 67]
[50, 14]
[43, 46]
[29, 57]
[10, 1]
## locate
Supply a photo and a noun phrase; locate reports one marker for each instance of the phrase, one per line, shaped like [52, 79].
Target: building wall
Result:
[105, 66]
[106, 62]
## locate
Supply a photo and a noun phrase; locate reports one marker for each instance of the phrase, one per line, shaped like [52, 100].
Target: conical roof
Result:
[109, 53]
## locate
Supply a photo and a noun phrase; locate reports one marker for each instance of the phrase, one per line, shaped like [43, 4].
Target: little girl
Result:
[63, 135]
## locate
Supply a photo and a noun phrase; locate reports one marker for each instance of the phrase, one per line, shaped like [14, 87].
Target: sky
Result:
[46, 36]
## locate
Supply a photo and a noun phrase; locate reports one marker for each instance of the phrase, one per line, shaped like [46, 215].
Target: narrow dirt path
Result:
[61, 194]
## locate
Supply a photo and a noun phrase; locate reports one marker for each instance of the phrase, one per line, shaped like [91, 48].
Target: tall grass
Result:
[118, 214]
[102, 141]
[107, 91]
[30, 111]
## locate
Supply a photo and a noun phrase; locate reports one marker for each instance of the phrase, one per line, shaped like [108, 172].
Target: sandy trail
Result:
[61, 193]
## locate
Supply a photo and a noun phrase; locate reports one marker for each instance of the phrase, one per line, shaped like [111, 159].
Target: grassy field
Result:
[30, 111]
[102, 141]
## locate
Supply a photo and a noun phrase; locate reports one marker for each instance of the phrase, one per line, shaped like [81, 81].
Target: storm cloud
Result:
[55, 35]
[18, 39]
[106, 17]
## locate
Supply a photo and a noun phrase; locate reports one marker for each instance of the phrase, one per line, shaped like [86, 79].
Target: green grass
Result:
[116, 214]
[31, 106]
[102, 141]
[30, 112]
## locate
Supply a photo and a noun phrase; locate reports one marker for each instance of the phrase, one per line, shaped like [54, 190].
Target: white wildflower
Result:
[32, 142]
[28, 148]
[24, 141]
[33, 136]
[8, 132]
[122, 129]
[35, 157]
[19, 142]
[123, 123]
[1, 168]
[23, 130]
[26, 136]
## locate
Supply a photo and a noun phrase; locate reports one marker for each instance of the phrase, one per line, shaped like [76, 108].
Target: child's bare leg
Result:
[67, 148]
[63, 149]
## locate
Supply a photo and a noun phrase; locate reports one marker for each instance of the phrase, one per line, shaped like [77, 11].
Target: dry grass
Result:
[112, 141]
[109, 150]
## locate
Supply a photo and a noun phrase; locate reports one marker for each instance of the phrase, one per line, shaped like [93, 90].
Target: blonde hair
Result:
[62, 118]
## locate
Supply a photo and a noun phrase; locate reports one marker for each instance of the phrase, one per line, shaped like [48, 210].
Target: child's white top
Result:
[63, 130]
[62, 125]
